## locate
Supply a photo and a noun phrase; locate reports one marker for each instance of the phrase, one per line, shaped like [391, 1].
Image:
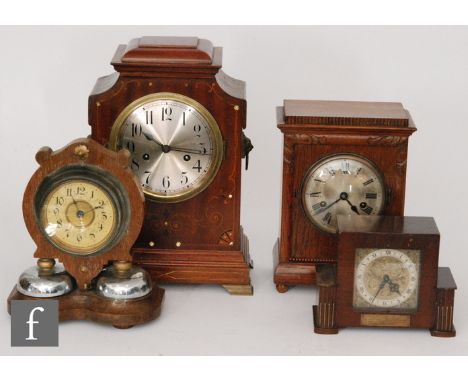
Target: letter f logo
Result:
[31, 323]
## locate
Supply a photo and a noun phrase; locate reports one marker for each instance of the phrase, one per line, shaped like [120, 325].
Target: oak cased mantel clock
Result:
[182, 119]
[338, 158]
[387, 275]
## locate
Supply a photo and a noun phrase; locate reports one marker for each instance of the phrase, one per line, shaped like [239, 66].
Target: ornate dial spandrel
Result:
[386, 279]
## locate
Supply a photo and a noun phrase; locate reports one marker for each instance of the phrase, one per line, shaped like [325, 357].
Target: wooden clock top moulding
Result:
[334, 116]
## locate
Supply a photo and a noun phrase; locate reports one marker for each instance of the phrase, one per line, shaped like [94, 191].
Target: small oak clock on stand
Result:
[84, 207]
[338, 158]
[182, 120]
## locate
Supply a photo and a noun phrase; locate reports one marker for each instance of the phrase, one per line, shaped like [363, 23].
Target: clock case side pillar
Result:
[325, 312]
[445, 299]
[287, 274]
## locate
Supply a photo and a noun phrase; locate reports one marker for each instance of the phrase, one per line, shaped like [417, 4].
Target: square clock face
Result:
[386, 279]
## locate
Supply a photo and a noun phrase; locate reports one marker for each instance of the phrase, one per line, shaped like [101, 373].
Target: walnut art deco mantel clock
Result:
[182, 120]
[387, 275]
[339, 158]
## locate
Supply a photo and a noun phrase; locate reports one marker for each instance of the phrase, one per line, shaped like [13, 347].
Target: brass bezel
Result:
[116, 133]
[328, 158]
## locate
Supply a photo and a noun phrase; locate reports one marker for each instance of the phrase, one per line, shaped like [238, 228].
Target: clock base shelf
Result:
[290, 274]
[228, 268]
[328, 321]
[87, 305]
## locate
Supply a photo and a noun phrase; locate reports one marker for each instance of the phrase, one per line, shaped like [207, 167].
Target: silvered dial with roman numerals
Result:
[342, 184]
[175, 144]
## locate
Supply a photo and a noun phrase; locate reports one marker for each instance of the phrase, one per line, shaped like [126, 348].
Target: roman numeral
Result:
[149, 117]
[368, 210]
[327, 218]
[367, 182]
[345, 167]
[371, 195]
[315, 194]
[316, 206]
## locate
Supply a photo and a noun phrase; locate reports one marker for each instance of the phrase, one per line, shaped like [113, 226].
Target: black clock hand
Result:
[353, 207]
[151, 138]
[394, 287]
[189, 151]
[92, 209]
[327, 207]
[79, 213]
[74, 201]
[381, 286]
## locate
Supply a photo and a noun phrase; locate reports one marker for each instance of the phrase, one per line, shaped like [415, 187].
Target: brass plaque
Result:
[395, 320]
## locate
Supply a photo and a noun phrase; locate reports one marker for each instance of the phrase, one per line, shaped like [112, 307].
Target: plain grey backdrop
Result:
[47, 73]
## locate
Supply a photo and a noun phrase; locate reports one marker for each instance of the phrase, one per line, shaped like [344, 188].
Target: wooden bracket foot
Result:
[239, 290]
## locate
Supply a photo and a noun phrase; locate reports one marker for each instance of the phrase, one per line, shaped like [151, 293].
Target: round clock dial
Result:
[175, 144]
[342, 184]
[81, 210]
[387, 278]
[78, 216]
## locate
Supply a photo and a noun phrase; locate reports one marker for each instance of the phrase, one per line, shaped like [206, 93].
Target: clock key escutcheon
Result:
[349, 154]
[171, 105]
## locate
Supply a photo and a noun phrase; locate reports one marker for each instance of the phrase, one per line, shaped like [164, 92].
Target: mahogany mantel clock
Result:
[338, 158]
[182, 120]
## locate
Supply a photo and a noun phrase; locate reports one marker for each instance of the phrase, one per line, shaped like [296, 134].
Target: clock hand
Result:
[151, 138]
[79, 213]
[353, 207]
[167, 148]
[381, 286]
[92, 209]
[343, 196]
[394, 287]
[327, 207]
[74, 201]
[189, 151]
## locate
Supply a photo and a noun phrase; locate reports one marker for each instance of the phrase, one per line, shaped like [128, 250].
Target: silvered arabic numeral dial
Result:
[175, 144]
[386, 278]
[341, 184]
[78, 216]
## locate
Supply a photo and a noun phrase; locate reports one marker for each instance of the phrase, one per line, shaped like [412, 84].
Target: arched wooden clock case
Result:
[198, 240]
